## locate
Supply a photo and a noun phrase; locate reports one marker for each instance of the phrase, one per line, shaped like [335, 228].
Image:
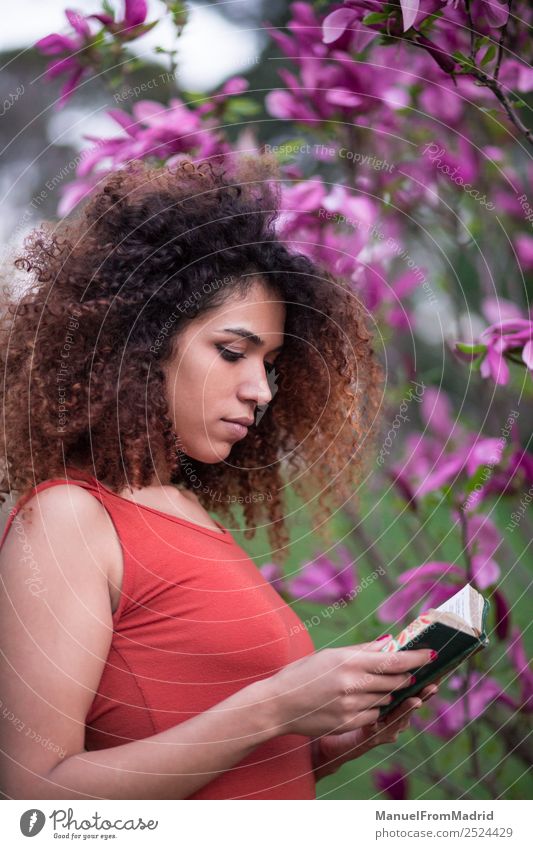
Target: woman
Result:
[173, 357]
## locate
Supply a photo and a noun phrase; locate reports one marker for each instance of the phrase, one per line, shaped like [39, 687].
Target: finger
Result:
[375, 645]
[404, 709]
[384, 683]
[427, 692]
[360, 718]
[363, 701]
[398, 661]
[400, 713]
[379, 643]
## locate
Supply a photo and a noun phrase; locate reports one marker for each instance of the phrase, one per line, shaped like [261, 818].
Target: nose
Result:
[256, 389]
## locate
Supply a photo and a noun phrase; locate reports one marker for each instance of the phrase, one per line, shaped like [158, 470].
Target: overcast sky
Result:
[211, 48]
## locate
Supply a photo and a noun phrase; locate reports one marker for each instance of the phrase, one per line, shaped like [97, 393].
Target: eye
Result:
[231, 356]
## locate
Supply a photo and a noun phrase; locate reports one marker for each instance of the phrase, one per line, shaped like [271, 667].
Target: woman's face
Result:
[218, 374]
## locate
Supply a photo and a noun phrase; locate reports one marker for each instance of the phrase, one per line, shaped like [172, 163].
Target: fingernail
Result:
[383, 637]
[434, 654]
[412, 679]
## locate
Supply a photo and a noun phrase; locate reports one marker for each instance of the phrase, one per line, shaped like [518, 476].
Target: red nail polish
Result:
[434, 654]
[412, 679]
[383, 637]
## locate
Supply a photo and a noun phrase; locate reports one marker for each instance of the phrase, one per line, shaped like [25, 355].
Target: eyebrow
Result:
[247, 334]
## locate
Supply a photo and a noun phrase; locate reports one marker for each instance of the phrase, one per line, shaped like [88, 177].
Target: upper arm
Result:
[55, 631]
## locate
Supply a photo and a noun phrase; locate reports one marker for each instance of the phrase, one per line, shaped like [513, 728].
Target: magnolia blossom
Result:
[393, 782]
[74, 62]
[516, 653]
[493, 13]
[272, 573]
[340, 229]
[413, 13]
[510, 339]
[80, 52]
[329, 84]
[428, 586]
[483, 541]
[324, 581]
[168, 133]
[433, 583]
[449, 717]
[447, 455]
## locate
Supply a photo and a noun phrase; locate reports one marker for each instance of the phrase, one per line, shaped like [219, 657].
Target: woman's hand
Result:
[334, 691]
[330, 752]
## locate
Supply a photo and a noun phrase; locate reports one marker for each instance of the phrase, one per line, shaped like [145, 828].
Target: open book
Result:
[456, 629]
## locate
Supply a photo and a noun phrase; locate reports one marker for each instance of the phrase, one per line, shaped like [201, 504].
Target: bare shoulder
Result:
[68, 505]
[56, 629]
[60, 518]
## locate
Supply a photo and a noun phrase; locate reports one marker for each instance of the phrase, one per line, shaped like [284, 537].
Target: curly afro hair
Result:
[82, 348]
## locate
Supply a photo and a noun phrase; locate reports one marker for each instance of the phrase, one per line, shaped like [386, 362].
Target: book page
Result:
[467, 604]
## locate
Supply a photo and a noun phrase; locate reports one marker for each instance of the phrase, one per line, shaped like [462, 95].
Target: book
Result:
[456, 629]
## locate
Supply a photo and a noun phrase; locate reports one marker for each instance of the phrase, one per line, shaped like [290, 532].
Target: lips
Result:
[243, 420]
[236, 428]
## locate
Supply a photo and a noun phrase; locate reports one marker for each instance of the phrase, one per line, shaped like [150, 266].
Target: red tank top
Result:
[196, 621]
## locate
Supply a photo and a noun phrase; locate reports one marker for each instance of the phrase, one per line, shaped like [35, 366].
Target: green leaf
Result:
[375, 18]
[245, 106]
[427, 24]
[194, 97]
[489, 55]
[141, 29]
[462, 59]
[107, 7]
[468, 348]
[481, 475]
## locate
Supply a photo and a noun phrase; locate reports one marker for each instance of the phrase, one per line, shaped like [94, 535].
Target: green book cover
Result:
[441, 629]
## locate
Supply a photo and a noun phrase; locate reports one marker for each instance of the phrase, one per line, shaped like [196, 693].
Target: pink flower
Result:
[502, 611]
[81, 52]
[508, 339]
[428, 586]
[75, 47]
[483, 541]
[491, 13]
[513, 477]
[517, 655]
[152, 131]
[450, 456]
[524, 249]
[394, 782]
[323, 581]
[449, 718]
[135, 12]
[396, 21]
[497, 309]
[511, 335]
[272, 573]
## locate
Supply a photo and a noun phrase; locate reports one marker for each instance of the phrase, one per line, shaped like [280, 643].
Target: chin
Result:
[208, 454]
